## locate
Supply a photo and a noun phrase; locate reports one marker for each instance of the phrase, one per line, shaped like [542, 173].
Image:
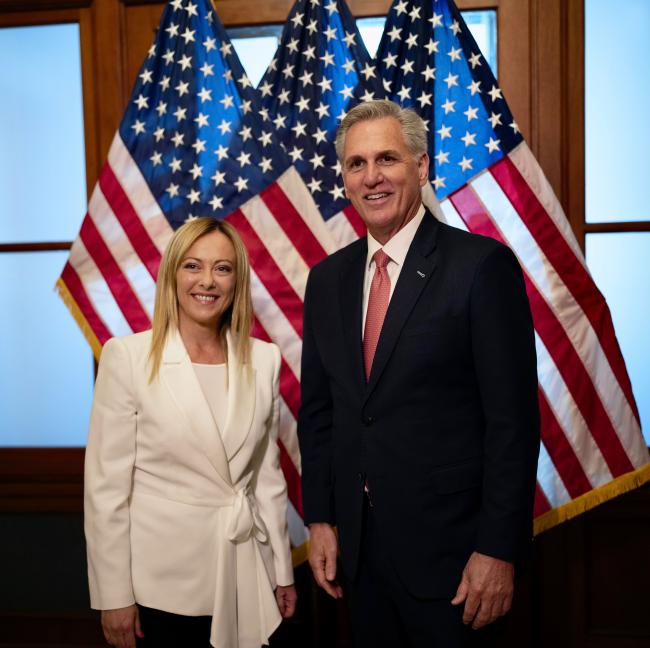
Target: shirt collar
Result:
[398, 246]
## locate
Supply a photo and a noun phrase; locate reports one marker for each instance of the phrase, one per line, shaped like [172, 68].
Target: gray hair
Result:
[413, 128]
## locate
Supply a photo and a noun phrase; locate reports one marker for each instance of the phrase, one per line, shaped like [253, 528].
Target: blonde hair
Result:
[237, 318]
[413, 128]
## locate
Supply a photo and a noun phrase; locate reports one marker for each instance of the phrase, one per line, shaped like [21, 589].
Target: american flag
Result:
[320, 71]
[488, 182]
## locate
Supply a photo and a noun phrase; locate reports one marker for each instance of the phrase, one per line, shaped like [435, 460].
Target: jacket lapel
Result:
[351, 283]
[241, 403]
[178, 375]
[419, 266]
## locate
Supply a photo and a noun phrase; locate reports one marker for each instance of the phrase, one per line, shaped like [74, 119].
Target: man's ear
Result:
[423, 169]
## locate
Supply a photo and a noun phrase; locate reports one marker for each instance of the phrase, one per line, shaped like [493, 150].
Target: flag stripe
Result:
[291, 474]
[341, 229]
[75, 288]
[574, 275]
[542, 505]
[564, 355]
[268, 272]
[355, 220]
[548, 475]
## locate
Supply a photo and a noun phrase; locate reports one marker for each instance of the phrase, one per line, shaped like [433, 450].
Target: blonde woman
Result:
[185, 502]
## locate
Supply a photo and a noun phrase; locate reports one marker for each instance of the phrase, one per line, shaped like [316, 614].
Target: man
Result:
[419, 427]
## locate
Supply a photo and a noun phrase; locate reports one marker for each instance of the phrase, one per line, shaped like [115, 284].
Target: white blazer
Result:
[173, 519]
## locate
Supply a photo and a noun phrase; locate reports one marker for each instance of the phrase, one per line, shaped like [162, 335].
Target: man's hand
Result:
[486, 587]
[323, 549]
[121, 626]
[286, 597]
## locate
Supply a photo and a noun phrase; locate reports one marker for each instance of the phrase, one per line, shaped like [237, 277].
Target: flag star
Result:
[188, 35]
[448, 106]
[299, 129]
[309, 53]
[152, 51]
[138, 127]
[284, 96]
[330, 33]
[387, 84]
[319, 135]
[327, 58]
[179, 113]
[302, 104]
[314, 185]
[404, 93]
[182, 88]
[201, 120]
[368, 71]
[367, 96]
[142, 102]
[471, 113]
[265, 164]
[432, 46]
[185, 62]
[209, 17]
[495, 119]
[305, 79]
[156, 158]
[193, 196]
[474, 87]
[161, 108]
[325, 84]
[322, 110]
[227, 75]
[444, 131]
[390, 61]
[159, 133]
[337, 192]
[244, 81]
[394, 33]
[178, 138]
[292, 45]
[222, 151]
[246, 106]
[412, 40]
[241, 184]
[288, 70]
[172, 190]
[204, 95]
[264, 138]
[424, 99]
[348, 66]
[495, 93]
[177, 4]
[455, 27]
[196, 171]
[164, 82]
[341, 115]
[219, 177]
[465, 164]
[225, 49]
[474, 60]
[454, 54]
[265, 89]
[469, 138]
[175, 165]
[279, 121]
[317, 161]
[216, 203]
[442, 158]
[349, 39]
[210, 44]
[407, 66]
[492, 145]
[199, 146]
[451, 80]
[264, 112]
[415, 13]
[206, 68]
[347, 91]
[191, 9]
[337, 168]
[246, 133]
[172, 30]
[146, 77]
[515, 127]
[331, 7]
[296, 153]
[297, 19]
[438, 182]
[244, 159]
[227, 101]
[429, 73]
[435, 20]
[312, 26]
[400, 7]
[224, 126]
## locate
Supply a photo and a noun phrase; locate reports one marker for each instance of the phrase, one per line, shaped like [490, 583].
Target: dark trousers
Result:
[385, 615]
[167, 630]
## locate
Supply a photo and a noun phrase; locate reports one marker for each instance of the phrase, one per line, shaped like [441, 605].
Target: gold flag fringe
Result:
[82, 322]
[299, 554]
[627, 482]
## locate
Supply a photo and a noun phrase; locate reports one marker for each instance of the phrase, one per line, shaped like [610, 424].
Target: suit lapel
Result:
[241, 403]
[419, 266]
[178, 375]
[351, 283]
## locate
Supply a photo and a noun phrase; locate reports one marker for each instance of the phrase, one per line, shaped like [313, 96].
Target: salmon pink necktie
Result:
[377, 307]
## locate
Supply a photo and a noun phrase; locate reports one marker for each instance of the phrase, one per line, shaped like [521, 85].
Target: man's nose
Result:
[373, 175]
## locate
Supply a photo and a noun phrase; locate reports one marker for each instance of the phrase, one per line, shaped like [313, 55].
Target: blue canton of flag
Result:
[429, 60]
[192, 123]
[320, 70]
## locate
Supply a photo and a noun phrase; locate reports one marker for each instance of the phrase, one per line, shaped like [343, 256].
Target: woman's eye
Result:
[190, 266]
[223, 269]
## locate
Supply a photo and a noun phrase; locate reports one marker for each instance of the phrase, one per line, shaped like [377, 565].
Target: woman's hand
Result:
[286, 597]
[121, 626]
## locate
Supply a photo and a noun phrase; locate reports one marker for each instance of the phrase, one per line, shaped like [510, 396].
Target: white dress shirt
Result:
[396, 248]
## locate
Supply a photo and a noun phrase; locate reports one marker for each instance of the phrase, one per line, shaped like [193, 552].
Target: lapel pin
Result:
[421, 274]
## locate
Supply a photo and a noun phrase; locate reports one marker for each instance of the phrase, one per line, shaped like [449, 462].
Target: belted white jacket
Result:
[179, 517]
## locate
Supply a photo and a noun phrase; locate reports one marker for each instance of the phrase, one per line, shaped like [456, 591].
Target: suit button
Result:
[368, 420]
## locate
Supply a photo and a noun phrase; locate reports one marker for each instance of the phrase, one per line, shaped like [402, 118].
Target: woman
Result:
[185, 502]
